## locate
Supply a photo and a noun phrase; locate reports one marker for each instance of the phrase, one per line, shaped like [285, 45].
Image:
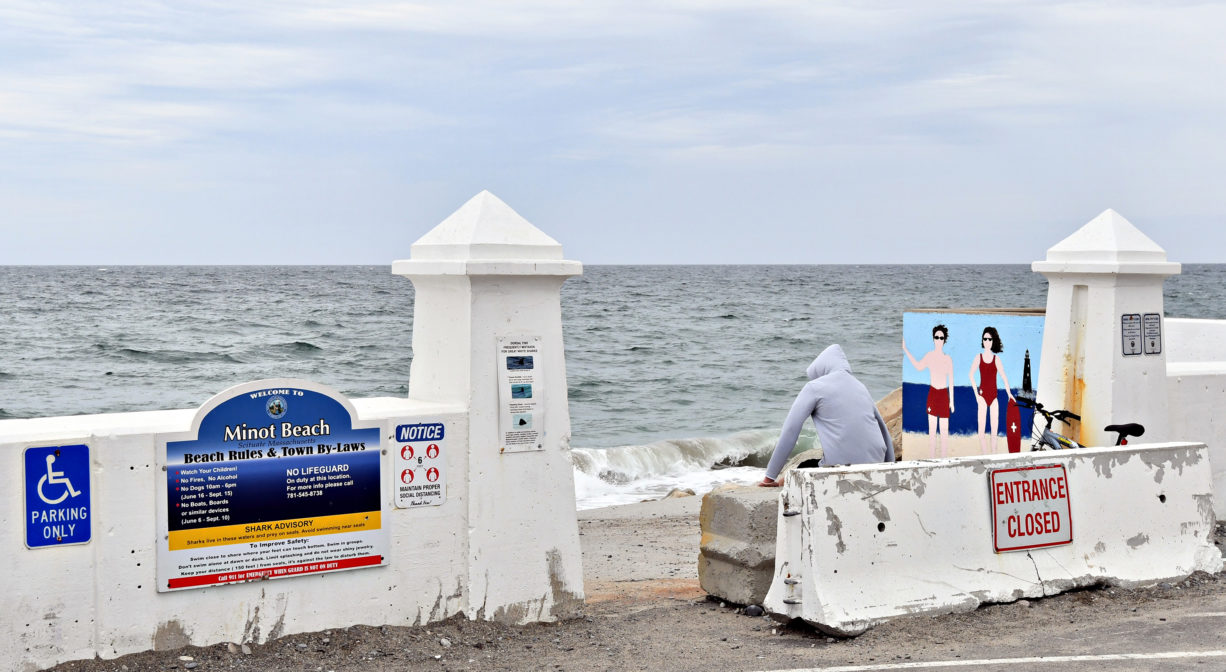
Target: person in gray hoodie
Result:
[849, 426]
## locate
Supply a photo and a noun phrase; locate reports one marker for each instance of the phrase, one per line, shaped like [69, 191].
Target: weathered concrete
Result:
[869, 543]
[736, 555]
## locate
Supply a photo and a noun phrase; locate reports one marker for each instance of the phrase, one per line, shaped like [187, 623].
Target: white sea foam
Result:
[627, 474]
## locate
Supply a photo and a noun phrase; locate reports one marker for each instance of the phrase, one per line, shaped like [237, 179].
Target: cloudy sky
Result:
[670, 131]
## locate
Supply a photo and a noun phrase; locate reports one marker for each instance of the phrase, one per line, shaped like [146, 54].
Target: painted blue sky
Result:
[674, 131]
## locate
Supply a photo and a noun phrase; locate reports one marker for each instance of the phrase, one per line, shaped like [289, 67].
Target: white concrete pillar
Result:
[482, 277]
[1104, 355]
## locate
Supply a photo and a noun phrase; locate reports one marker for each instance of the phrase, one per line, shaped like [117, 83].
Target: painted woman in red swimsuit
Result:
[989, 365]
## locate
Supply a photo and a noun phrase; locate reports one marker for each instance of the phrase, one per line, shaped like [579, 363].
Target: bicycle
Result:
[1047, 439]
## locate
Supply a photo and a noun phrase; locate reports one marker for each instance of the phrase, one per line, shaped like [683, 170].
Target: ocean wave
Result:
[627, 474]
[674, 457]
[167, 356]
[297, 347]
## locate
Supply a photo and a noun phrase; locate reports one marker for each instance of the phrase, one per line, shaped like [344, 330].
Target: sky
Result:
[669, 131]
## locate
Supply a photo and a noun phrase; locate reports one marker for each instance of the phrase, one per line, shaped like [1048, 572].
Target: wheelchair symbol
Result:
[54, 477]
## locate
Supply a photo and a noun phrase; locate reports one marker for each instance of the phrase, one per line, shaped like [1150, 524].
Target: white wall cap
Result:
[1195, 369]
[1107, 244]
[416, 267]
[485, 228]
[170, 421]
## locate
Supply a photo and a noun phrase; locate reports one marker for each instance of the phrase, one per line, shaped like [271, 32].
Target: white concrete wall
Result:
[1196, 384]
[101, 598]
[504, 545]
[877, 542]
[1191, 341]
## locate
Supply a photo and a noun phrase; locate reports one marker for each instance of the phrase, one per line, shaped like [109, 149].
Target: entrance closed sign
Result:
[1030, 508]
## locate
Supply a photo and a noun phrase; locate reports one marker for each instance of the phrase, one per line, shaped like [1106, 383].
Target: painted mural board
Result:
[961, 370]
[273, 481]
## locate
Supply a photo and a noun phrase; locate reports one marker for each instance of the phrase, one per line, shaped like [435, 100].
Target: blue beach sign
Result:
[275, 480]
[57, 496]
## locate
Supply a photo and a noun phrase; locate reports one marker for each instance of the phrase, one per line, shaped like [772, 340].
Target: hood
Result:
[832, 359]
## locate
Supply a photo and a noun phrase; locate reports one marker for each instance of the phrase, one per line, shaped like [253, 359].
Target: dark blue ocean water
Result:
[672, 370]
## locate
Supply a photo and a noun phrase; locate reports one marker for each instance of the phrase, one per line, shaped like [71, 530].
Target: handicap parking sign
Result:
[57, 496]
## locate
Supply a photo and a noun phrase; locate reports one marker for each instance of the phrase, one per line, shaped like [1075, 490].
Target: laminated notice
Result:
[521, 409]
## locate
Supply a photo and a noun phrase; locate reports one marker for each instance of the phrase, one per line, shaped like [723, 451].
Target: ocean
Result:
[679, 376]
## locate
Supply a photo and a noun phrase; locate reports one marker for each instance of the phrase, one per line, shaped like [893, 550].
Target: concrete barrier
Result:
[501, 545]
[861, 545]
[736, 554]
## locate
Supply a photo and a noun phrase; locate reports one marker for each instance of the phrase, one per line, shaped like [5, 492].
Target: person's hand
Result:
[768, 482]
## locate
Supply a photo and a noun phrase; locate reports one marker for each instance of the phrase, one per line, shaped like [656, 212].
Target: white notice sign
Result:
[420, 468]
[521, 410]
[1130, 332]
[1030, 508]
[1153, 333]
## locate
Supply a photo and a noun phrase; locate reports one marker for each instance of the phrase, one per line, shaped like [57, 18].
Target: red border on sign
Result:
[274, 572]
[992, 496]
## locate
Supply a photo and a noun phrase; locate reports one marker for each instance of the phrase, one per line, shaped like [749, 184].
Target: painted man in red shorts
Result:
[940, 390]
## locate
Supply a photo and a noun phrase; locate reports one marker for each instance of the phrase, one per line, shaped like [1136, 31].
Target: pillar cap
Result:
[1107, 244]
[486, 237]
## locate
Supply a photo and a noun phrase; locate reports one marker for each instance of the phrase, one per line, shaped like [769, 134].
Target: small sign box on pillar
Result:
[1030, 508]
[419, 465]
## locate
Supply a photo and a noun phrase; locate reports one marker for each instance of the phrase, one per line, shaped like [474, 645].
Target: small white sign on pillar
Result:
[1130, 333]
[1153, 333]
[521, 410]
[420, 476]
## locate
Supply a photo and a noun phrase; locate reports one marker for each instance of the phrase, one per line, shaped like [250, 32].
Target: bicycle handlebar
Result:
[1062, 416]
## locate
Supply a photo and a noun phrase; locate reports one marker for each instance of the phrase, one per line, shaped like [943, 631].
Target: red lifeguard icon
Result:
[407, 452]
[406, 476]
[432, 474]
[432, 451]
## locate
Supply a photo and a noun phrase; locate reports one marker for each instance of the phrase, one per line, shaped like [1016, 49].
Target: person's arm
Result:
[802, 408]
[950, 376]
[885, 434]
[918, 365]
